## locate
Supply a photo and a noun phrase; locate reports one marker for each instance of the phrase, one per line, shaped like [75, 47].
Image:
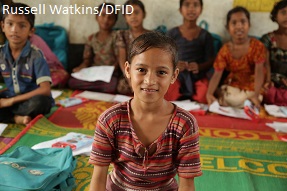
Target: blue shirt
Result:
[26, 72]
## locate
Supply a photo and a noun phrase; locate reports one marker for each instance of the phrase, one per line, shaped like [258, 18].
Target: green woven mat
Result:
[227, 164]
[14, 129]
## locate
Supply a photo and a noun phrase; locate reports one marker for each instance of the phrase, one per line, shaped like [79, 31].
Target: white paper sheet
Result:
[187, 105]
[228, 111]
[275, 111]
[2, 127]
[56, 93]
[278, 126]
[85, 150]
[96, 96]
[95, 73]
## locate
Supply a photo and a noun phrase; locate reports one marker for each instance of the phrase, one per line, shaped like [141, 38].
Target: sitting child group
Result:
[154, 68]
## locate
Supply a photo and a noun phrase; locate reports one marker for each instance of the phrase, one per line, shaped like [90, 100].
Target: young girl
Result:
[276, 63]
[196, 52]
[148, 139]
[100, 50]
[125, 38]
[243, 57]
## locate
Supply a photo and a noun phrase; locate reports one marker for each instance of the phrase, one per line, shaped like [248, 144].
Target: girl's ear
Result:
[174, 76]
[128, 70]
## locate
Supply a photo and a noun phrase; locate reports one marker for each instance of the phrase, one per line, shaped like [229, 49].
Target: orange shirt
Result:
[242, 70]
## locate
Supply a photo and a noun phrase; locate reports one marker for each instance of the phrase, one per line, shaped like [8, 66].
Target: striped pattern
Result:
[177, 150]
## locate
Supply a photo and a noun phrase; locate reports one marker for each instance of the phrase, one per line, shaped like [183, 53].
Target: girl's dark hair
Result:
[103, 5]
[181, 3]
[279, 5]
[135, 2]
[15, 8]
[150, 40]
[237, 9]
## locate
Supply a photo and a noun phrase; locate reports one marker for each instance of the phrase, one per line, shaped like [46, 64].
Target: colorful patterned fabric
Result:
[101, 53]
[177, 150]
[242, 70]
[278, 56]
[124, 39]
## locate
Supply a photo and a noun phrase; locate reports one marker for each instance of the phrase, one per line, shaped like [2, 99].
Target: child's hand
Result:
[193, 67]
[284, 81]
[182, 65]
[210, 98]
[267, 85]
[6, 102]
[255, 100]
[77, 69]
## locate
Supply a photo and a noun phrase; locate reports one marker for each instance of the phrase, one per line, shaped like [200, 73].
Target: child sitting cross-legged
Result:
[100, 50]
[243, 57]
[24, 69]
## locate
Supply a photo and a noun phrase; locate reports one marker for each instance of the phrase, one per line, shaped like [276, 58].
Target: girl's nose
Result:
[150, 79]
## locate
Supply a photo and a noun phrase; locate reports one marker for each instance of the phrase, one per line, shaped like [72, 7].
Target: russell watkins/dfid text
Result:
[74, 9]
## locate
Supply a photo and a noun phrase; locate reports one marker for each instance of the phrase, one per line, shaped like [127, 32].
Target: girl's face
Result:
[191, 9]
[238, 26]
[106, 21]
[151, 74]
[135, 19]
[281, 17]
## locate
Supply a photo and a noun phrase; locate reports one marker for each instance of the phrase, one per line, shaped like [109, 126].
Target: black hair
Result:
[279, 5]
[181, 3]
[101, 6]
[135, 2]
[20, 9]
[150, 40]
[237, 9]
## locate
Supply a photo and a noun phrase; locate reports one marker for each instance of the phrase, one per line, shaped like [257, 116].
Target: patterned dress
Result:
[100, 54]
[177, 151]
[278, 64]
[241, 71]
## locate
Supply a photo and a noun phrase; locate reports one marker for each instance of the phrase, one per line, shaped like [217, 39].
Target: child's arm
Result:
[43, 89]
[195, 67]
[259, 78]
[86, 63]
[268, 71]
[99, 178]
[186, 184]
[213, 83]
[88, 55]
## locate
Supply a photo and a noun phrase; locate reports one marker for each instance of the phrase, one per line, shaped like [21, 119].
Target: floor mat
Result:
[214, 125]
[243, 164]
[84, 115]
[12, 134]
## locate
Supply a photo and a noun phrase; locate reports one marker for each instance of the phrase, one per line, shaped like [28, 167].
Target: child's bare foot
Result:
[24, 120]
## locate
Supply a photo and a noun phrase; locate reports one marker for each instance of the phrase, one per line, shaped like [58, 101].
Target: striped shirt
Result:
[177, 150]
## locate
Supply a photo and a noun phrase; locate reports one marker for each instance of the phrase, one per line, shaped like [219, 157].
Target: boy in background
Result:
[24, 69]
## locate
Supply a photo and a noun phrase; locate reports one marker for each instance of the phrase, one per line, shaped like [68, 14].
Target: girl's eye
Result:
[141, 70]
[162, 72]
